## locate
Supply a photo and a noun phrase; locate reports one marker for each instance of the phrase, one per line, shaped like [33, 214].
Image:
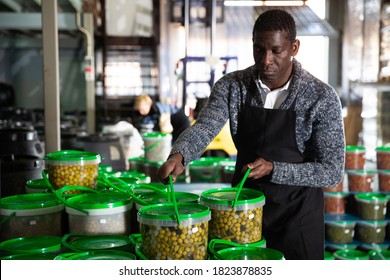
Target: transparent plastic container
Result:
[361, 180]
[31, 245]
[383, 157]
[355, 157]
[99, 213]
[157, 146]
[334, 202]
[31, 215]
[371, 206]
[72, 168]
[205, 169]
[384, 180]
[371, 231]
[340, 231]
[166, 238]
[351, 255]
[241, 223]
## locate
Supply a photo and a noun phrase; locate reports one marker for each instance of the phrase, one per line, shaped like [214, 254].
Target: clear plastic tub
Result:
[371, 231]
[37, 186]
[205, 169]
[361, 180]
[384, 180]
[72, 168]
[335, 202]
[99, 213]
[241, 223]
[157, 146]
[383, 157]
[31, 245]
[351, 255]
[31, 215]
[371, 206]
[163, 238]
[340, 231]
[355, 157]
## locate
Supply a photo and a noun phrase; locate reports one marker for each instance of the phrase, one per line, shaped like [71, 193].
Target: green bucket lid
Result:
[32, 201]
[355, 149]
[37, 185]
[142, 177]
[249, 253]
[164, 214]
[328, 256]
[351, 255]
[155, 135]
[335, 194]
[73, 155]
[383, 149]
[372, 223]
[31, 245]
[224, 197]
[379, 255]
[160, 198]
[83, 243]
[371, 198]
[341, 223]
[229, 169]
[148, 188]
[97, 255]
[37, 256]
[99, 201]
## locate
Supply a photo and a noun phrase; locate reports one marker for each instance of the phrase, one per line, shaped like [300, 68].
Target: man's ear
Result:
[295, 47]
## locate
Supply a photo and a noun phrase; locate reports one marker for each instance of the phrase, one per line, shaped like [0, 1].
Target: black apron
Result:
[293, 216]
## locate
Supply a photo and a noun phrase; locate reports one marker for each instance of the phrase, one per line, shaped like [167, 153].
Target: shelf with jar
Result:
[357, 210]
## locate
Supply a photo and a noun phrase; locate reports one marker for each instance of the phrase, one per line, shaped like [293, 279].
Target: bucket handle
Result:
[110, 184]
[66, 244]
[7, 218]
[60, 194]
[211, 247]
[172, 195]
[239, 186]
[154, 145]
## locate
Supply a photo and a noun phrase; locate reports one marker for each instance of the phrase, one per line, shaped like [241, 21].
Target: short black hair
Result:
[276, 20]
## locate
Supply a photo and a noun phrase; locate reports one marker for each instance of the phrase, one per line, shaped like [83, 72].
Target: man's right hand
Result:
[173, 165]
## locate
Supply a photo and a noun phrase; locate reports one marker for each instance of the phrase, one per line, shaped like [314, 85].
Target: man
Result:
[287, 126]
[165, 118]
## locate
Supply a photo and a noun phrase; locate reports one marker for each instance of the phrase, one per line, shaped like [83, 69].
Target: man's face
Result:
[273, 53]
[144, 108]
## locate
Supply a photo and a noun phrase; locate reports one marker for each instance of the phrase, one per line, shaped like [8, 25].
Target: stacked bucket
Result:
[356, 211]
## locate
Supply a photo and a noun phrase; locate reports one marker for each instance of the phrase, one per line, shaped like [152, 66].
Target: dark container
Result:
[16, 170]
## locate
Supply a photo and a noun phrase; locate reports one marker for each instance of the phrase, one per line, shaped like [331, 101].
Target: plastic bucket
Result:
[340, 231]
[31, 215]
[371, 231]
[361, 180]
[73, 168]
[29, 257]
[383, 157]
[99, 213]
[328, 256]
[97, 255]
[371, 206]
[216, 245]
[384, 180]
[334, 202]
[31, 245]
[241, 223]
[140, 176]
[37, 186]
[157, 146]
[355, 157]
[248, 253]
[205, 170]
[163, 197]
[351, 255]
[95, 242]
[379, 255]
[164, 238]
[16, 170]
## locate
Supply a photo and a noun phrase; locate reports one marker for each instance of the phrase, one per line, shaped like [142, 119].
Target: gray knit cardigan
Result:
[319, 125]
